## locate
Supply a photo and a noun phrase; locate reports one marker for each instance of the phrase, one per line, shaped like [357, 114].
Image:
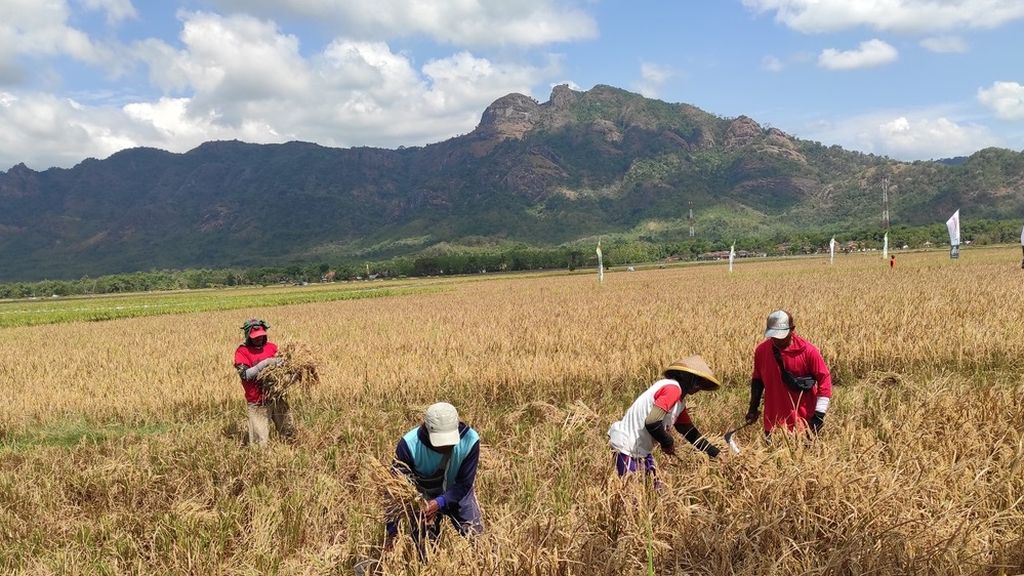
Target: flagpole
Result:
[953, 226]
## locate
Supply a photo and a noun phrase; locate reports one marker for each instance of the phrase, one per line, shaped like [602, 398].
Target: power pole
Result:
[885, 203]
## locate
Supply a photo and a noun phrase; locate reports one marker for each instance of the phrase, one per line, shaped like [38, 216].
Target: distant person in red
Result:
[251, 358]
[791, 374]
[892, 261]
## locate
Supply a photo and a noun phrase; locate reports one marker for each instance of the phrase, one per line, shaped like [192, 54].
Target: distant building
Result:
[724, 255]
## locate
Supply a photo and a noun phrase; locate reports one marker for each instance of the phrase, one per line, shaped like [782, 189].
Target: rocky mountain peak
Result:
[563, 97]
[742, 131]
[510, 116]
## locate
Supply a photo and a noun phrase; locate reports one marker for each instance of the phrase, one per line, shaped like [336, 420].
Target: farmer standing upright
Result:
[792, 376]
[440, 458]
[660, 406]
[251, 358]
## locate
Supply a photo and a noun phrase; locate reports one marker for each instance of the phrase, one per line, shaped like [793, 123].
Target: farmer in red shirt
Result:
[791, 374]
[251, 358]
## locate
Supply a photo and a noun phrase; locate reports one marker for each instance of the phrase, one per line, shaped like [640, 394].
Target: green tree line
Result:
[618, 252]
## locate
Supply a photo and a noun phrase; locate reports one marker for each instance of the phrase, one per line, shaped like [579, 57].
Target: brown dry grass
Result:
[920, 468]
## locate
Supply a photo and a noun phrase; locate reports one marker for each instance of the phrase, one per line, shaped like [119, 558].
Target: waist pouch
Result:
[795, 383]
[802, 383]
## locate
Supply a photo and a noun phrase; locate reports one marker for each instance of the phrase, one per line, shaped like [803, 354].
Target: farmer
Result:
[251, 358]
[791, 374]
[660, 406]
[440, 458]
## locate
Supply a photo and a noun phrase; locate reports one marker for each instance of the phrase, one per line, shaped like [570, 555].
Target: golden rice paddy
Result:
[115, 456]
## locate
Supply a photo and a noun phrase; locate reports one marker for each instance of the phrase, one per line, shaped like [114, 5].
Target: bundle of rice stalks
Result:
[298, 369]
[535, 412]
[397, 495]
[884, 379]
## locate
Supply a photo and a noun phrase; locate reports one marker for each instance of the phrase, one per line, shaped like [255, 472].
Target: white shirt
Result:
[629, 435]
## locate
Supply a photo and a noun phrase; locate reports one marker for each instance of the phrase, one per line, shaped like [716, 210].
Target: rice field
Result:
[120, 452]
[35, 311]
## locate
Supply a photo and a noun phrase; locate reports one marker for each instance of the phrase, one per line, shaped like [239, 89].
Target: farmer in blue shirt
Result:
[440, 457]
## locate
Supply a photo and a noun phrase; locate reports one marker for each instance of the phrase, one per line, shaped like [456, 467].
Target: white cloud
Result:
[116, 10]
[907, 135]
[771, 64]
[171, 119]
[652, 78]
[228, 61]
[40, 29]
[915, 16]
[61, 131]
[240, 77]
[461, 22]
[10, 72]
[870, 53]
[572, 85]
[1006, 99]
[945, 44]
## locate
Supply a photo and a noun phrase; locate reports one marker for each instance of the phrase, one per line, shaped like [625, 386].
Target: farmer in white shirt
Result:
[662, 405]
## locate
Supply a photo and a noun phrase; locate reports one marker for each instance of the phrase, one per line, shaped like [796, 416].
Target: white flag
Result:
[732, 255]
[600, 263]
[953, 225]
[1022, 236]
[832, 250]
[885, 246]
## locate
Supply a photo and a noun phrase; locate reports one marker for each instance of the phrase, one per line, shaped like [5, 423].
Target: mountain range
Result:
[583, 164]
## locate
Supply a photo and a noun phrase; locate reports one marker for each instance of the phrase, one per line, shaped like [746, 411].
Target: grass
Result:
[920, 468]
[70, 433]
[97, 308]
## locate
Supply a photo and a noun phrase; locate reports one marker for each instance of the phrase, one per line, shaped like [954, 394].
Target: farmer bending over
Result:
[791, 374]
[660, 406]
[251, 358]
[440, 457]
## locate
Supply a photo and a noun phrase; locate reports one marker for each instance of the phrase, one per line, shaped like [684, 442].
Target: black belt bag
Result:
[795, 383]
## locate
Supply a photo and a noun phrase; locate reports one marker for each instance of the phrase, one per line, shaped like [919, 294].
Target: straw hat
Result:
[698, 367]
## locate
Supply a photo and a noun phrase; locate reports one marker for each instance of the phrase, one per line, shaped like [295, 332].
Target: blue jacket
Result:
[416, 452]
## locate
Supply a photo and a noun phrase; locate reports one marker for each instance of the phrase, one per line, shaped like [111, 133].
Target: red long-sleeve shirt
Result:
[783, 406]
[250, 356]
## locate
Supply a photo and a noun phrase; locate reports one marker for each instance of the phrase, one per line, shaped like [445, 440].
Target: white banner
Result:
[953, 225]
[600, 263]
[885, 246]
[1022, 236]
[732, 255]
[832, 250]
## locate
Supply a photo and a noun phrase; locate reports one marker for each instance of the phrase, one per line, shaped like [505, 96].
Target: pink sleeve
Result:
[667, 396]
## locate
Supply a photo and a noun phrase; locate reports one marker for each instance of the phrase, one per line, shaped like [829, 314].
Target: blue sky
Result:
[910, 79]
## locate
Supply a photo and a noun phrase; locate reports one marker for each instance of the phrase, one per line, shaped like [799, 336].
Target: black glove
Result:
[756, 391]
[817, 421]
[693, 436]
